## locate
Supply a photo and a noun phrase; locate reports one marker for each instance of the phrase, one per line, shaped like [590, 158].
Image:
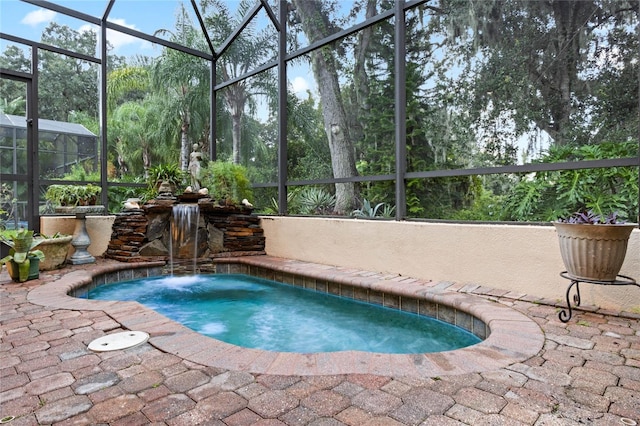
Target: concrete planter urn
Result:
[593, 251]
[73, 210]
[55, 251]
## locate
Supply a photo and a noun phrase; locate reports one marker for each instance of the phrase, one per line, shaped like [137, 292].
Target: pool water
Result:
[263, 314]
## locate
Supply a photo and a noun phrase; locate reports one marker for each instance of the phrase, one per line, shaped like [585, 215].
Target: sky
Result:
[148, 16]
[29, 21]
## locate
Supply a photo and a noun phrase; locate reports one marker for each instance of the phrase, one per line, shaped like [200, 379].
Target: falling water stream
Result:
[184, 233]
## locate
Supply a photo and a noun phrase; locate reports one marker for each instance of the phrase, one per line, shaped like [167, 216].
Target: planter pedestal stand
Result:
[81, 241]
[620, 280]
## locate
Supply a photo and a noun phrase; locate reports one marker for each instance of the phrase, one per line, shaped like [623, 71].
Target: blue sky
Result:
[28, 21]
[147, 16]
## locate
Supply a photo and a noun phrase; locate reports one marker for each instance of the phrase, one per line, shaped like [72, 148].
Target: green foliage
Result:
[126, 84]
[15, 106]
[22, 251]
[315, 201]
[310, 200]
[481, 77]
[484, 207]
[308, 151]
[22, 245]
[65, 83]
[274, 208]
[73, 195]
[369, 211]
[170, 172]
[227, 181]
[119, 194]
[80, 172]
[546, 196]
[7, 204]
[182, 83]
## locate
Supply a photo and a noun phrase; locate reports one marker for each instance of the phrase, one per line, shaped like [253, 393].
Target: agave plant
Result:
[369, 211]
[22, 251]
[316, 201]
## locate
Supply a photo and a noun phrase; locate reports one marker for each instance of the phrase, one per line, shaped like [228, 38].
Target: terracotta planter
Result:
[55, 252]
[593, 252]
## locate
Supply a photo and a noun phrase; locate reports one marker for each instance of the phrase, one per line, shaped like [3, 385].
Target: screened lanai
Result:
[485, 111]
[68, 144]
[62, 146]
[409, 154]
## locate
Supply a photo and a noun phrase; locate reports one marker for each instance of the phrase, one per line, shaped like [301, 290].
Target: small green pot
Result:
[21, 272]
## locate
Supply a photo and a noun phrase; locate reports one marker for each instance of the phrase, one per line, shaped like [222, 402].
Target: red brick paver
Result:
[586, 372]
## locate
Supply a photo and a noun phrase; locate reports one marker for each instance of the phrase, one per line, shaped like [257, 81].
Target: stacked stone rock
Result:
[141, 234]
[128, 235]
[241, 232]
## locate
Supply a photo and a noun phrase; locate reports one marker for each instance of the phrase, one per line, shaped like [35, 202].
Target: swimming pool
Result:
[263, 314]
[507, 335]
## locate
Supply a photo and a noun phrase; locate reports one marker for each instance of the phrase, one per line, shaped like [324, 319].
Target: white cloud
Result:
[88, 27]
[38, 17]
[118, 39]
[300, 86]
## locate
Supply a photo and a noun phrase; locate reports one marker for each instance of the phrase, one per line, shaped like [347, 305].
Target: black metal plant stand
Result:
[620, 280]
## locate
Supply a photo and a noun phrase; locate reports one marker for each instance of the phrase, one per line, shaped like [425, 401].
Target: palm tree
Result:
[135, 131]
[125, 84]
[246, 52]
[183, 81]
[17, 106]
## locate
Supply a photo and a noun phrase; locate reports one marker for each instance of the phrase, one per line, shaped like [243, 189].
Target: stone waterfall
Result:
[144, 233]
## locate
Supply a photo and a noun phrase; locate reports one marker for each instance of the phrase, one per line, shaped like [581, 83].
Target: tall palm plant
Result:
[126, 84]
[183, 81]
[249, 50]
[15, 106]
[135, 130]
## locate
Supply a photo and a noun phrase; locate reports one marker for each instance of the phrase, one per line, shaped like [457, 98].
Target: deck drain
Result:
[117, 341]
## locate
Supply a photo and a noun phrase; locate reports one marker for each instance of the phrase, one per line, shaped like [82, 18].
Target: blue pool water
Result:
[258, 313]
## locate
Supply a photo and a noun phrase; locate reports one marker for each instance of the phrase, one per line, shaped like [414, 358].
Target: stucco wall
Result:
[98, 228]
[522, 259]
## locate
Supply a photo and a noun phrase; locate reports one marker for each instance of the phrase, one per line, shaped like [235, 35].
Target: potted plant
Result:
[55, 249]
[593, 247]
[74, 198]
[23, 261]
[168, 174]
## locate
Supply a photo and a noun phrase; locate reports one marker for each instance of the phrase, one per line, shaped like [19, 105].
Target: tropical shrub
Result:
[227, 181]
[546, 196]
[169, 172]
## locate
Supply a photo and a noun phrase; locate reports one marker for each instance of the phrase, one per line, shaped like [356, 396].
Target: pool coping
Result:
[513, 336]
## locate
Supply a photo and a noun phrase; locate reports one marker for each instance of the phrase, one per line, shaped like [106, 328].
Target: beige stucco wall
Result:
[518, 258]
[98, 228]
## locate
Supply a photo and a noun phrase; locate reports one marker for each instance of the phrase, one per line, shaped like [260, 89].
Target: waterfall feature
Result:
[184, 233]
[223, 230]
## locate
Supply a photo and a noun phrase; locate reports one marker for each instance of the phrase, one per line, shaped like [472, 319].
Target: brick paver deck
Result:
[585, 372]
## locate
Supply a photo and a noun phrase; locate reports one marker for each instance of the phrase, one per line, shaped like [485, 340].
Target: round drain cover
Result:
[117, 341]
